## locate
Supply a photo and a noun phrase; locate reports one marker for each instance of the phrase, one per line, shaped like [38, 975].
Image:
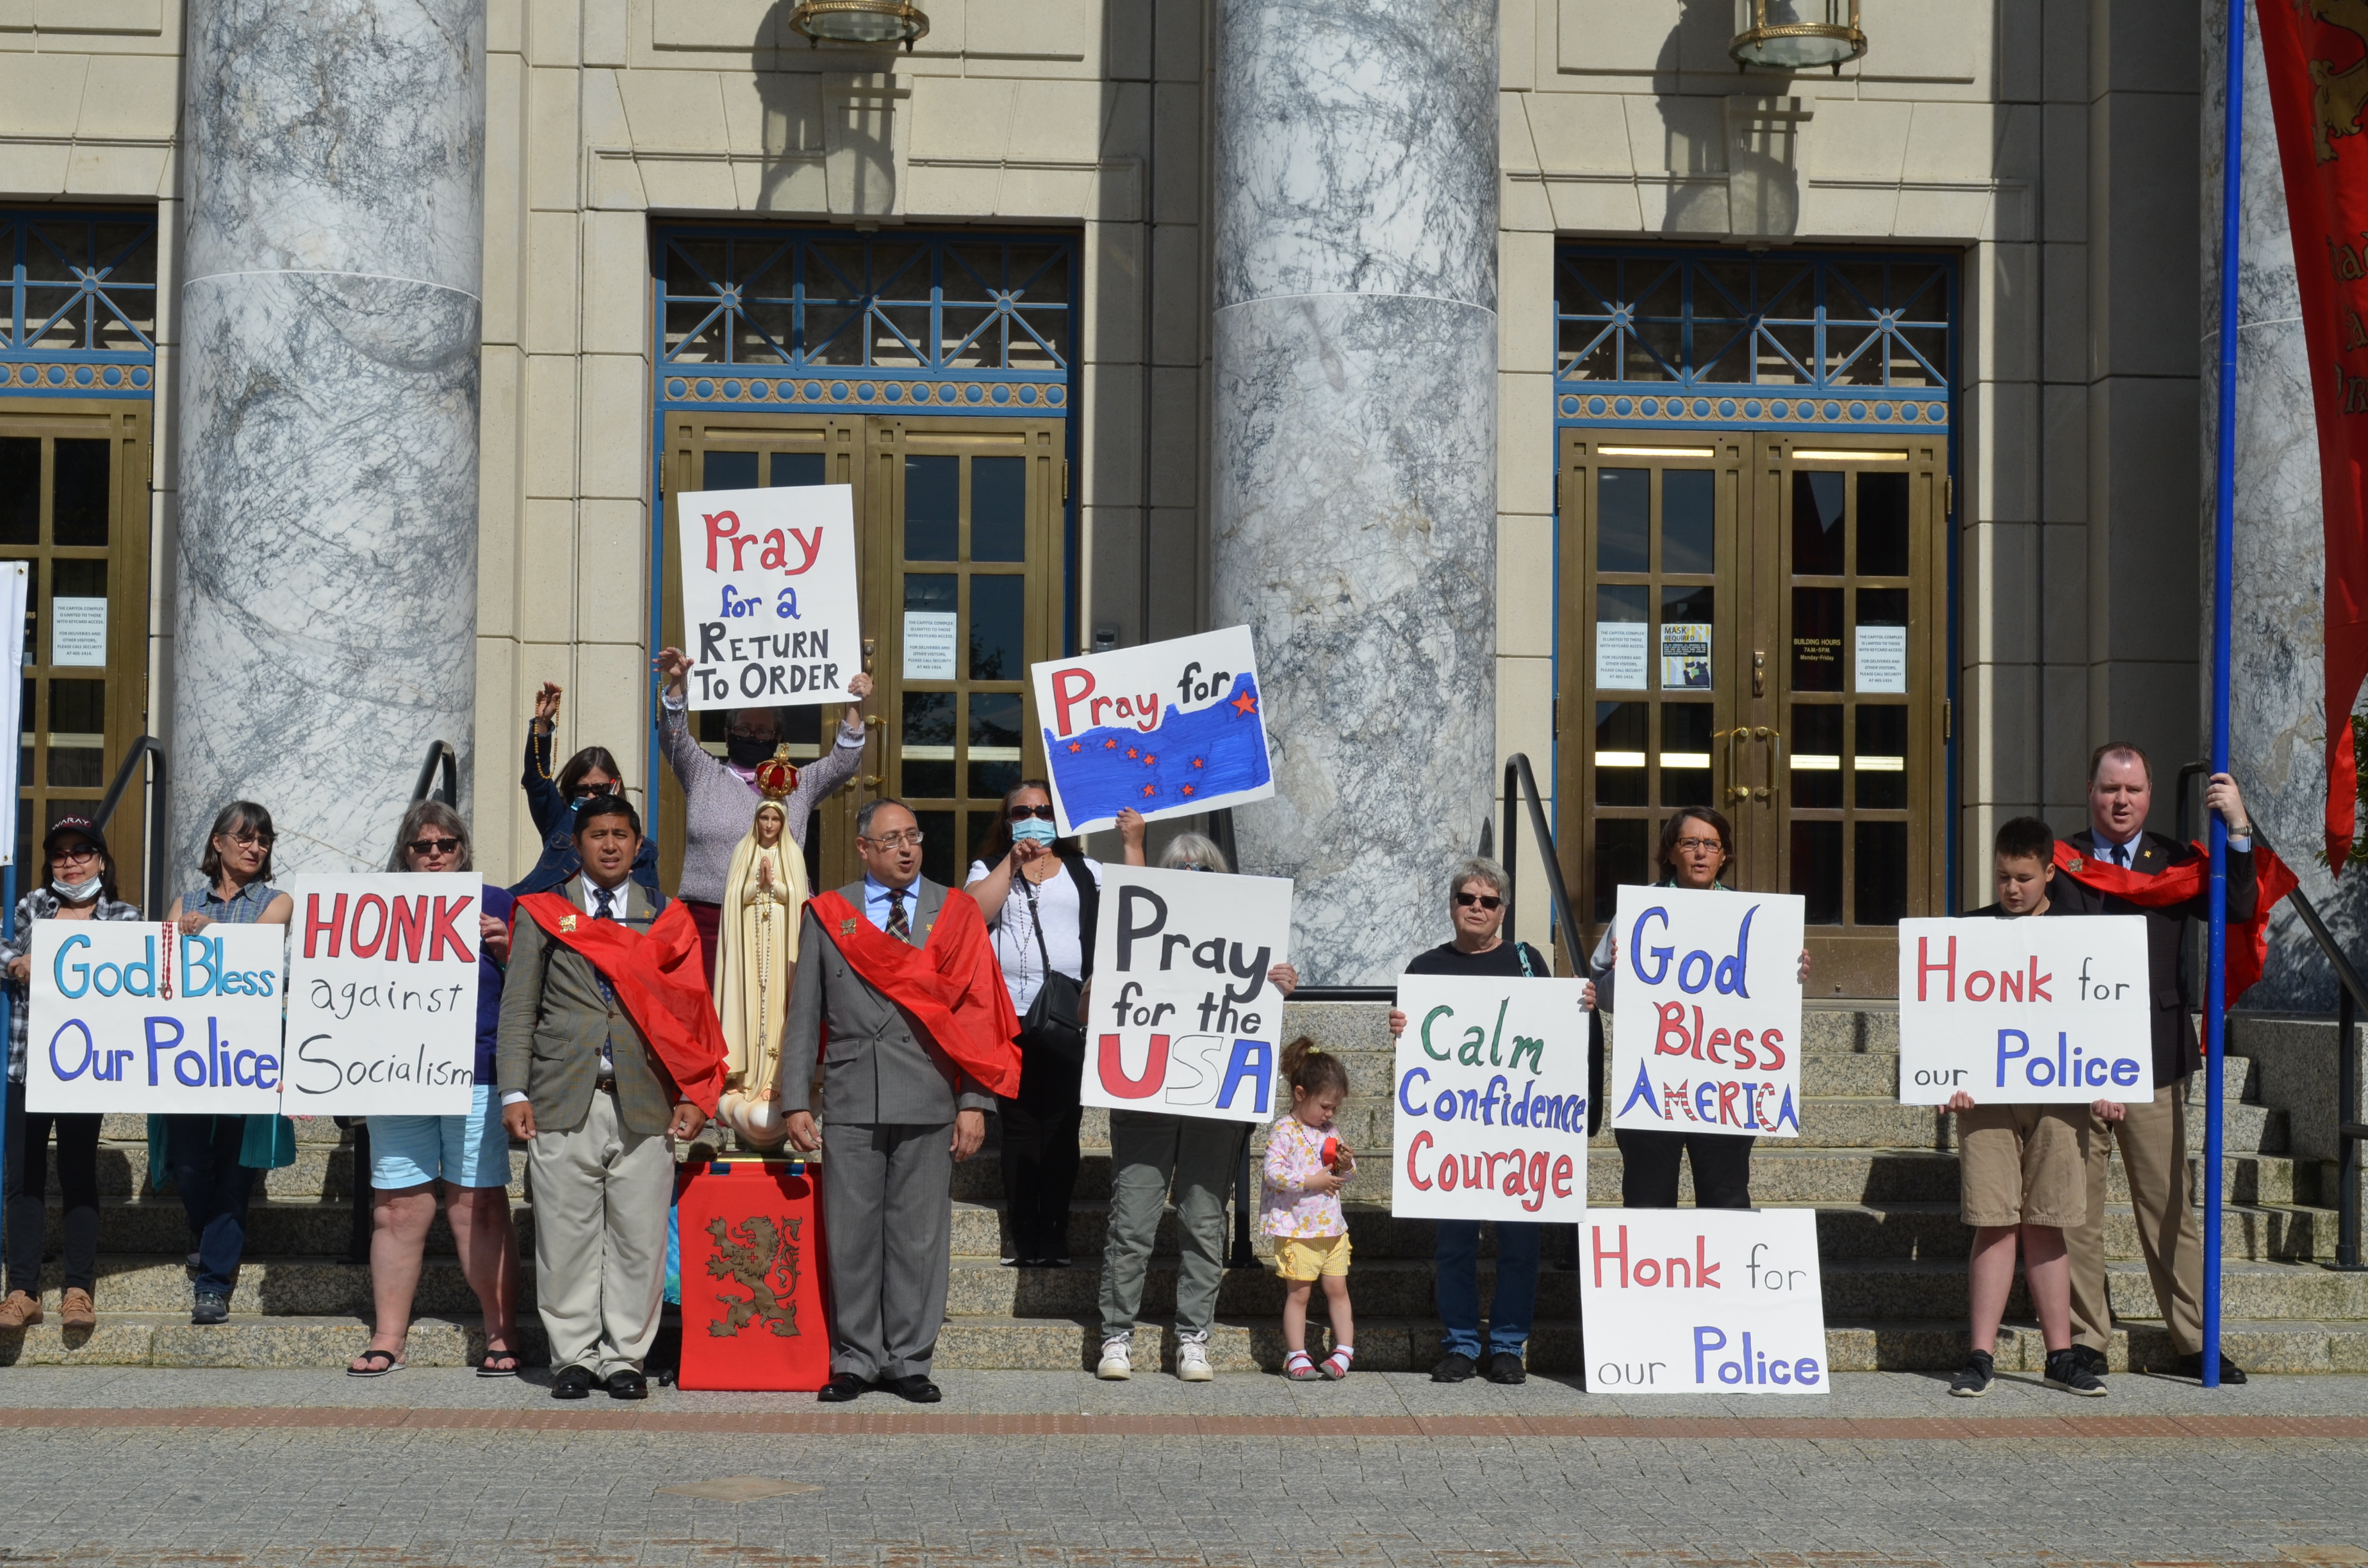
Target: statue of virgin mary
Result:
[764, 896]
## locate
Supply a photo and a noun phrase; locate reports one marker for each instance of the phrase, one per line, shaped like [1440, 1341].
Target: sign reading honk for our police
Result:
[133, 1017]
[2036, 1011]
[1702, 1301]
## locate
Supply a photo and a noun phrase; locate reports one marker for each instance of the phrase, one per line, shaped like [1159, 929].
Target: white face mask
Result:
[75, 892]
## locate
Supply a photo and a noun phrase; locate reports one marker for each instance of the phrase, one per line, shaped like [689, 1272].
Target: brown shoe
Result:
[79, 1310]
[20, 1311]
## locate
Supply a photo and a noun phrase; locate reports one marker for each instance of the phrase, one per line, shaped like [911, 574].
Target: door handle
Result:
[1736, 789]
[1775, 763]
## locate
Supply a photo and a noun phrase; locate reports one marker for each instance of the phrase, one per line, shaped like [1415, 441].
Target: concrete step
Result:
[321, 1226]
[279, 1286]
[250, 1339]
[1885, 1288]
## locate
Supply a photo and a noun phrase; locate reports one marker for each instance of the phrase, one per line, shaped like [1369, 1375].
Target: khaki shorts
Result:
[1304, 1257]
[2024, 1164]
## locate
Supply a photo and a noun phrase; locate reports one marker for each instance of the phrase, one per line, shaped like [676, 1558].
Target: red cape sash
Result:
[952, 983]
[2248, 941]
[658, 977]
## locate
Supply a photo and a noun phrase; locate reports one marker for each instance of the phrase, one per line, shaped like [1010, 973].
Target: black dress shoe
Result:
[841, 1389]
[912, 1387]
[2192, 1367]
[628, 1384]
[571, 1383]
[1505, 1367]
[1454, 1367]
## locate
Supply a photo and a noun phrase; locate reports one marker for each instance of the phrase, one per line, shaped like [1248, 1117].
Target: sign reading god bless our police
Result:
[133, 1017]
[383, 994]
[1170, 729]
[1490, 1079]
[1702, 1301]
[1184, 1019]
[769, 612]
[1707, 1036]
[2025, 1012]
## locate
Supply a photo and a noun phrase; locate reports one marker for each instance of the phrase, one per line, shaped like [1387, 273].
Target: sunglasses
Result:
[74, 857]
[434, 846]
[250, 840]
[583, 792]
[1482, 900]
[1021, 814]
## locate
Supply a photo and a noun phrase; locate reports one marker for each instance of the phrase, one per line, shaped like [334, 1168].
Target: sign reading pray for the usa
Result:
[1707, 1035]
[1171, 729]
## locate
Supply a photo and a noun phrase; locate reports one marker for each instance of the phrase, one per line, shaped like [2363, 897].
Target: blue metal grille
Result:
[1669, 338]
[81, 304]
[949, 324]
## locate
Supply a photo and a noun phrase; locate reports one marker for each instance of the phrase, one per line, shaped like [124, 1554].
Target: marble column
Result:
[2277, 731]
[327, 589]
[1354, 493]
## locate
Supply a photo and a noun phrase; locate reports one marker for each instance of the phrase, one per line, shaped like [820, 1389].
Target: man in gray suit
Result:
[596, 1104]
[902, 1095]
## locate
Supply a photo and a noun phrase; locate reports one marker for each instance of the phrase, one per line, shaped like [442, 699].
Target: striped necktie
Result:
[899, 926]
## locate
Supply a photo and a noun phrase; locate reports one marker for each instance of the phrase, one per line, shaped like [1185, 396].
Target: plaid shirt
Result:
[40, 905]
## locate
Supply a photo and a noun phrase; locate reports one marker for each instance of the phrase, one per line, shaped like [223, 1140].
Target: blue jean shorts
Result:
[466, 1151]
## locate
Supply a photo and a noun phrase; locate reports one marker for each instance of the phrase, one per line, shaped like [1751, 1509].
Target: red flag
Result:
[952, 984]
[660, 981]
[2318, 85]
[2248, 941]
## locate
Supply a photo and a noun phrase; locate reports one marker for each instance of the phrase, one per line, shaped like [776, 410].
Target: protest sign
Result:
[1707, 1036]
[1491, 1088]
[383, 994]
[2025, 1012]
[133, 1017]
[1169, 728]
[769, 611]
[1184, 1019]
[1702, 1301]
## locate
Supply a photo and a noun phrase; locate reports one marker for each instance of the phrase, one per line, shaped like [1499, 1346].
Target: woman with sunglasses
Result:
[468, 1155]
[213, 1158]
[81, 887]
[1041, 897]
[1694, 847]
[1476, 890]
[552, 802]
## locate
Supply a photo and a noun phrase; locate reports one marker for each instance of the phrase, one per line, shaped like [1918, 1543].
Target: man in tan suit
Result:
[582, 1083]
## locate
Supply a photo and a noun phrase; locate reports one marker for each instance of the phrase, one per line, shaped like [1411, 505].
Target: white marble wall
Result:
[2277, 731]
[325, 600]
[1354, 448]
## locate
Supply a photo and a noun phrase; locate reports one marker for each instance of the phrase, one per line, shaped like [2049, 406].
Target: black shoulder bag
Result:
[1055, 1020]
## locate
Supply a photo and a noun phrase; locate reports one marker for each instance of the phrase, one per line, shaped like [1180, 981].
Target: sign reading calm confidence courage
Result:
[1171, 729]
[2036, 1011]
[1706, 1037]
[1490, 1079]
[383, 994]
[769, 612]
[133, 1017]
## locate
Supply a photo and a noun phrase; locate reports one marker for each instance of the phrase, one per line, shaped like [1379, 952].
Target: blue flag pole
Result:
[2223, 555]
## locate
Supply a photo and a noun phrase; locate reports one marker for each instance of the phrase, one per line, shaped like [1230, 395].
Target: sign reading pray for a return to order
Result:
[1707, 1036]
[769, 612]
[383, 994]
[1490, 1083]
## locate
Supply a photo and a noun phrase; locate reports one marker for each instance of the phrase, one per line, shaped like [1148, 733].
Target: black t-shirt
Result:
[1505, 958]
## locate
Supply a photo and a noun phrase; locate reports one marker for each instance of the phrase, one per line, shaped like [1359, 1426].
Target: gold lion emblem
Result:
[2342, 95]
[760, 1254]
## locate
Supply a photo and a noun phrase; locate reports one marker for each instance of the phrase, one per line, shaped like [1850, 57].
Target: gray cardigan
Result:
[718, 804]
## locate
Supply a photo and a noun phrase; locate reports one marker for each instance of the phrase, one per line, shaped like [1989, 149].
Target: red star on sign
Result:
[1149, 760]
[1247, 703]
[1109, 746]
[1076, 745]
[1146, 788]
[1131, 751]
[1197, 763]
[1188, 789]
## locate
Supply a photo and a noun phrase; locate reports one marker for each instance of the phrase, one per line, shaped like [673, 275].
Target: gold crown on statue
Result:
[775, 776]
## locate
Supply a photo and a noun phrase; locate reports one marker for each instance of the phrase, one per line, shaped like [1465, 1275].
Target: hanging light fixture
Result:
[1777, 35]
[859, 21]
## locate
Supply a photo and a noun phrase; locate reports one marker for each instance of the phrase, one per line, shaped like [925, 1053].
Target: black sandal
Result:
[485, 1368]
[388, 1357]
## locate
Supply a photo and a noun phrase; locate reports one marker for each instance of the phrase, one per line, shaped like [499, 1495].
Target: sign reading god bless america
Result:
[769, 613]
[383, 994]
[1171, 729]
[1707, 1033]
[133, 1017]
[1490, 1080]
[2025, 1012]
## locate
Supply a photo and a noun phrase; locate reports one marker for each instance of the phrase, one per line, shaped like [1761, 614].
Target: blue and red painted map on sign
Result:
[1185, 759]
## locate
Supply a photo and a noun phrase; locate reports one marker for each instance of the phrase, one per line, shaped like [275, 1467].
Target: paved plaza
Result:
[428, 1467]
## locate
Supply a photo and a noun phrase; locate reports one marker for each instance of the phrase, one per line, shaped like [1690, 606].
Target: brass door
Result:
[960, 518]
[1758, 622]
[74, 502]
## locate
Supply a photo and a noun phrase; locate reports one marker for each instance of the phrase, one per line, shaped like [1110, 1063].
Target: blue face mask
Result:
[1034, 830]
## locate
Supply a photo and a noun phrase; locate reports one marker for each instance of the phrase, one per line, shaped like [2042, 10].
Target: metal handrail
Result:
[439, 753]
[1517, 773]
[153, 849]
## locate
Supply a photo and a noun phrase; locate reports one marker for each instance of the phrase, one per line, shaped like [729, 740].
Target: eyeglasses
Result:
[1482, 900]
[583, 792]
[74, 857]
[897, 840]
[425, 847]
[1021, 814]
[1697, 846]
[250, 839]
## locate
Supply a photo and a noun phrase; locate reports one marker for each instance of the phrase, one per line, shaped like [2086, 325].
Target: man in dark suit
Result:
[2153, 1136]
[898, 987]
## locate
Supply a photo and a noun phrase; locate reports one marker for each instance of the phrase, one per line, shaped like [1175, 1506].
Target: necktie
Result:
[2121, 856]
[898, 925]
[605, 911]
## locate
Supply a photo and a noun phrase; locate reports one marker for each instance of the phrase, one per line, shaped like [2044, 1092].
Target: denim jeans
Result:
[1514, 1302]
[203, 1151]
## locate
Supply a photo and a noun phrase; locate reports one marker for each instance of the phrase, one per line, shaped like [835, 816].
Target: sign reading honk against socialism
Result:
[1707, 1036]
[2035, 1011]
[769, 611]
[383, 994]
[133, 1017]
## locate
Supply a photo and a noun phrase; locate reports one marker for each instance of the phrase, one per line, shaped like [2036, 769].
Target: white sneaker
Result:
[1118, 1363]
[1192, 1361]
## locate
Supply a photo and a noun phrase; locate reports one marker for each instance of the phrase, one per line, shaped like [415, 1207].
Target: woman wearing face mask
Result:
[720, 797]
[1040, 895]
[81, 887]
[552, 802]
[1695, 846]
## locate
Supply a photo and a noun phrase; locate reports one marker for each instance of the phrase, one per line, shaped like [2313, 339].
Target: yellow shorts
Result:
[1304, 1257]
